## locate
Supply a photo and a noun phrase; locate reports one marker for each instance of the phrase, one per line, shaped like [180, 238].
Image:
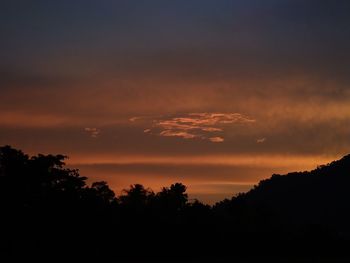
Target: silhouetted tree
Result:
[38, 180]
[171, 199]
[136, 199]
[103, 191]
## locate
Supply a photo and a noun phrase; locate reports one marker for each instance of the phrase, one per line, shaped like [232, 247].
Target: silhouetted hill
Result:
[298, 203]
[49, 211]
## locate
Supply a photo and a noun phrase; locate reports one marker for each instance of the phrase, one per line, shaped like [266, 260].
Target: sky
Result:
[215, 94]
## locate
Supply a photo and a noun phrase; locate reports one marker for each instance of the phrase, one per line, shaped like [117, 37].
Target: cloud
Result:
[93, 132]
[134, 119]
[216, 139]
[182, 134]
[261, 140]
[275, 161]
[195, 125]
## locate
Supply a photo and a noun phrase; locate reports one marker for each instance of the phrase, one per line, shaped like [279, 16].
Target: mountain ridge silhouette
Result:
[317, 197]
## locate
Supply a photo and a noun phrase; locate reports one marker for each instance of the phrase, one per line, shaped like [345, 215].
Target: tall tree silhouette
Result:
[172, 199]
[136, 199]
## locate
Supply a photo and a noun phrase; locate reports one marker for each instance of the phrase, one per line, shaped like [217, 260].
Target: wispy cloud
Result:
[216, 139]
[93, 132]
[134, 119]
[261, 140]
[195, 125]
[182, 134]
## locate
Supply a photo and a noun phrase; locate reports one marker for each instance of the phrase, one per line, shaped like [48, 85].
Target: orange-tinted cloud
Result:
[216, 139]
[194, 125]
[93, 132]
[260, 140]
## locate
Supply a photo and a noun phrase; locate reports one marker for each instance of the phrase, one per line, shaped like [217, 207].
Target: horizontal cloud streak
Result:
[216, 139]
[300, 161]
[194, 125]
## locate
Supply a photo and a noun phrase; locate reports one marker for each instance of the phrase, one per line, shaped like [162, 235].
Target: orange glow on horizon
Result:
[297, 161]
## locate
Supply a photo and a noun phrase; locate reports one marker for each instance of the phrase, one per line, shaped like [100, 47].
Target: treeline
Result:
[43, 182]
[46, 206]
[49, 210]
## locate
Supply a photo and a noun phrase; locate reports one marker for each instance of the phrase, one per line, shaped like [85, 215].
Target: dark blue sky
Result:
[38, 34]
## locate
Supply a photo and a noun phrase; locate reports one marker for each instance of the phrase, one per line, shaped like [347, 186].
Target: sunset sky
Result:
[216, 94]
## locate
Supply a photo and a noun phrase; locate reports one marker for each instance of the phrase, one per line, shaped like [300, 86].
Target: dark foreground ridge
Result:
[49, 212]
